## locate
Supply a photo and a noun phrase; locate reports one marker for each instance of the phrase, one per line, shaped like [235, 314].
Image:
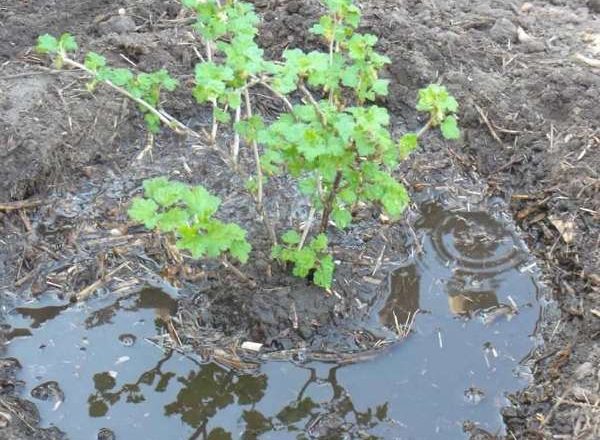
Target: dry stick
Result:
[169, 121]
[9, 407]
[313, 102]
[225, 262]
[286, 101]
[259, 177]
[87, 291]
[21, 204]
[307, 226]
[215, 124]
[235, 148]
[488, 125]
[425, 128]
[329, 202]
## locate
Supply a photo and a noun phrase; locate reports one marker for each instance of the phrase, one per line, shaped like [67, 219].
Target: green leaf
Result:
[450, 104]
[163, 191]
[323, 276]
[408, 143]
[250, 128]
[222, 116]
[319, 243]
[276, 252]
[144, 211]
[304, 261]
[120, 76]
[67, 43]
[291, 237]
[347, 195]
[152, 122]
[47, 44]
[341, 217]
[240, 250]
[172, 220]
[200, 202]
[94, 61]
[380, 87]
[450, 128]
[190, 240]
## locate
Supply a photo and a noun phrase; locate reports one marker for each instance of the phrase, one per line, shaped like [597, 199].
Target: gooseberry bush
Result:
[333, 138]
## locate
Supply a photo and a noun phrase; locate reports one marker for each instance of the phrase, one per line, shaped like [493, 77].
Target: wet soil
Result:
[529, 112]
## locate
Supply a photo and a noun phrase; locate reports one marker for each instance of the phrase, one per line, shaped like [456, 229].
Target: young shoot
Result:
[187, 212]
[143, 88]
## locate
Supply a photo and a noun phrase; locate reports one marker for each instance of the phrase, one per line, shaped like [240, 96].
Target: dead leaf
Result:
[566, 229]
[523, 36]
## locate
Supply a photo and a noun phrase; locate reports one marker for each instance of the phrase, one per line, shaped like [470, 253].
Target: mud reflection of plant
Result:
[333, 140]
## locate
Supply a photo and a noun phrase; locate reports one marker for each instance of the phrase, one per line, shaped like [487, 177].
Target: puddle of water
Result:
[91, 371]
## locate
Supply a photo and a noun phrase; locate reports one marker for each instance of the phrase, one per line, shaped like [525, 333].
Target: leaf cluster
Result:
[311, 259]
[351, 154]
[56, 47]
[229, 28]
[188, 213]
[442, 108]
[144, 86]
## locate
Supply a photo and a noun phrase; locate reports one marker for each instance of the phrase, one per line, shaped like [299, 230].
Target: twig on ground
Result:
[87, 291]
[488, 125]
[21, 204]
[226, 264]
[169, 121]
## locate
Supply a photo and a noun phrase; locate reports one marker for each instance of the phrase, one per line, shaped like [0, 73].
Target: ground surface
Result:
[531, 138]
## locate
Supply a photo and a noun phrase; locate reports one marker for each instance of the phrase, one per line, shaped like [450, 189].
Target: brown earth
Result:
[527, 77]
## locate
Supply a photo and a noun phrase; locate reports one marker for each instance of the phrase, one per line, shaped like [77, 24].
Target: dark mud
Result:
[529, 108]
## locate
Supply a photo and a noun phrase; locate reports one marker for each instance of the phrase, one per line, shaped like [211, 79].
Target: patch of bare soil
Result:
[525, 73]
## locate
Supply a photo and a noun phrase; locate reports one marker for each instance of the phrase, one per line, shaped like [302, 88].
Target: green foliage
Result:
[336, 142]
[143, 86]
[441, 107]
[187, 212]
[56, 47]
[229, 29]
[310, 259]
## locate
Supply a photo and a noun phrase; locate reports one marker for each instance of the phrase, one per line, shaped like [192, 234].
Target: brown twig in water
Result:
[6, 405]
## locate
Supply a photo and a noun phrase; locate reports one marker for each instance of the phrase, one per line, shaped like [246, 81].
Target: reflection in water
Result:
[467, 254]
[149, 298]
[211, 389]
[100, 358]
[41, 314]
